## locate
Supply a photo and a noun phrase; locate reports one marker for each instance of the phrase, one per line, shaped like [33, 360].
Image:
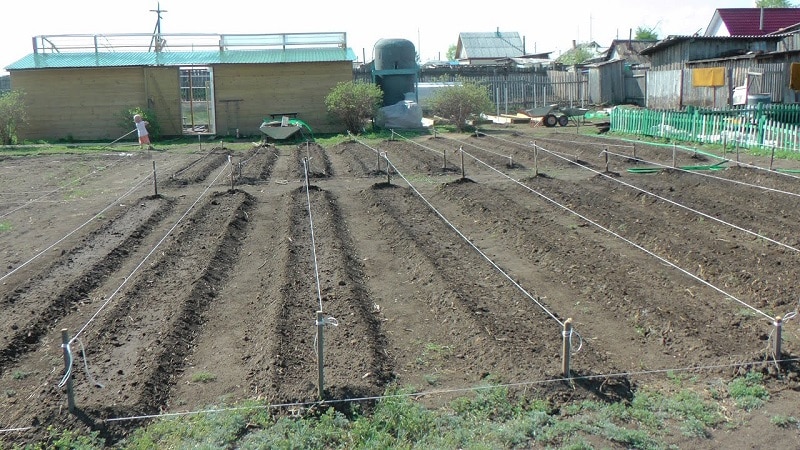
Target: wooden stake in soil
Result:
[778, 327]
[320, 356]
[674, 155]
[535, 160]
[634, 152]
[771, 158]
[155, 181]
[444, 159]
[605, 151]
[566, 349]
[67, 370]
[461, 151]
[388, 169]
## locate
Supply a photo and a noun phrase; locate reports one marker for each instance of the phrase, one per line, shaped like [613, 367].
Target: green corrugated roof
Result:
[123, 59]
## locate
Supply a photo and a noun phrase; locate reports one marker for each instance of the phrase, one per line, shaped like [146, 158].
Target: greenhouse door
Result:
[197, 100]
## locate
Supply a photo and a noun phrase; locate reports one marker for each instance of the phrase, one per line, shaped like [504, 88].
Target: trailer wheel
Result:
[550, 120]
[563, 121]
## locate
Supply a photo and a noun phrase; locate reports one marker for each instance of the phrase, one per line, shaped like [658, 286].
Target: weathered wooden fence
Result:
[515, 90]
[762, 125]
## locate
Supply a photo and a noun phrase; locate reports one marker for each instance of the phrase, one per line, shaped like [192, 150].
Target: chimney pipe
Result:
[761, 21]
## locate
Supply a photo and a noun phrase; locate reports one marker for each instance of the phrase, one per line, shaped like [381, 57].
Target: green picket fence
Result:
[768, 126]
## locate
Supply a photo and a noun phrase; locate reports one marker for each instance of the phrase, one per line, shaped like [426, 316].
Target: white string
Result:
[114, 203]
[313, 242]
[667, 371]
[141, 263]
[46, 194]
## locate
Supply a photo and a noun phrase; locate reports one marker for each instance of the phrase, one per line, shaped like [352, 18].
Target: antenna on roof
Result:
[157, 42]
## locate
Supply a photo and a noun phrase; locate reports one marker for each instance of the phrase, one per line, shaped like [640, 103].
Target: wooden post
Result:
[232, 172]
[155, 181]
[67, 369]
[320, 357]
[535, 160]
[461, 151]
[771, 157]
[199, 142]
[674, 155]
[510, 162]
[388, 170]
[378, 163]
[777, 343]
[444, 159]
[606, 153]
[634, 152]
[566, 349]
[737, 152]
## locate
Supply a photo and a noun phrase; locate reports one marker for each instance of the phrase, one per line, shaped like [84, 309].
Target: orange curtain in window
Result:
[708, 77]
[794, 82]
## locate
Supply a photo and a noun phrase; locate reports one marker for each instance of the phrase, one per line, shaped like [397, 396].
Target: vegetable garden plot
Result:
[223, 309]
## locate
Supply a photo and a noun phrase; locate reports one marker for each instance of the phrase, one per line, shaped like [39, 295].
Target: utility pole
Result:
[157, 42]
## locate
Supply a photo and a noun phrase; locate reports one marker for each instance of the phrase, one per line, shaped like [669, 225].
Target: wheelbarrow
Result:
[285, 128]
[552, 115]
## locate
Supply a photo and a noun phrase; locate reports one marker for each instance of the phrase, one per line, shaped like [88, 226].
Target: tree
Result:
[451, 52]
[774, 4]
[645, 34]
[574, 56]
[354, 102]
[459, 103]
[13, 113]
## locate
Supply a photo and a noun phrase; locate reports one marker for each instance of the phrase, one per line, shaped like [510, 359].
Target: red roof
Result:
[747, 21]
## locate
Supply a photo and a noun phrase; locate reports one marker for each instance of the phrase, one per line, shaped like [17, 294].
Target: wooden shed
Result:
[80, 86]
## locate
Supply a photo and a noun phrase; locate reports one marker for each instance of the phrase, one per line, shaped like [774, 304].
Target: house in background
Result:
[488, 48]
[79, 86]
[751, 21]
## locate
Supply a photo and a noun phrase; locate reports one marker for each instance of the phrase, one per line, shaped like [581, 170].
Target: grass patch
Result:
[749, 392]
[203, 377]
[489, 417]
[5, 226]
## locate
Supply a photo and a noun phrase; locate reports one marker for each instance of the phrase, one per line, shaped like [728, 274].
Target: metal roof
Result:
[495, 44]
[671, 40]
[168, 58]
[752, 21]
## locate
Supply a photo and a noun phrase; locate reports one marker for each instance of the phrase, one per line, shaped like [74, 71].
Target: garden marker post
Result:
[605, 152]
[320, 356]
[378, 163]
[232, 171]
[566, 350]
[461, 151]
[634, 152]
[155, 181]
[778, 325]
[510, 162]
[535, 160]
[67, 370]
[444, 159]
[199, 142]
[388, 171]
[674, 154]
[771, 158]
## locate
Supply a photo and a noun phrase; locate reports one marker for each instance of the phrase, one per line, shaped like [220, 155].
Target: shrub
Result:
[353, 103]
[459, 103]
[12, 114]
[148, 115]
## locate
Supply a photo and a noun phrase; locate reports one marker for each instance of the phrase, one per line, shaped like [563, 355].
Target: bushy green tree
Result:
[148, 115]
[13, 113]
[459, 103]
[574, 56]
[645, 34]
[774, 4]
[451, 52]
[353, 103]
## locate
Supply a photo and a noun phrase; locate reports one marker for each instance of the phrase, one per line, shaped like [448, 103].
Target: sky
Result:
[432, 26]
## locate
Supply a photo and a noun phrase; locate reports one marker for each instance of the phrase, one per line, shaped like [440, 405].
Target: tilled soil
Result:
[204, 287]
